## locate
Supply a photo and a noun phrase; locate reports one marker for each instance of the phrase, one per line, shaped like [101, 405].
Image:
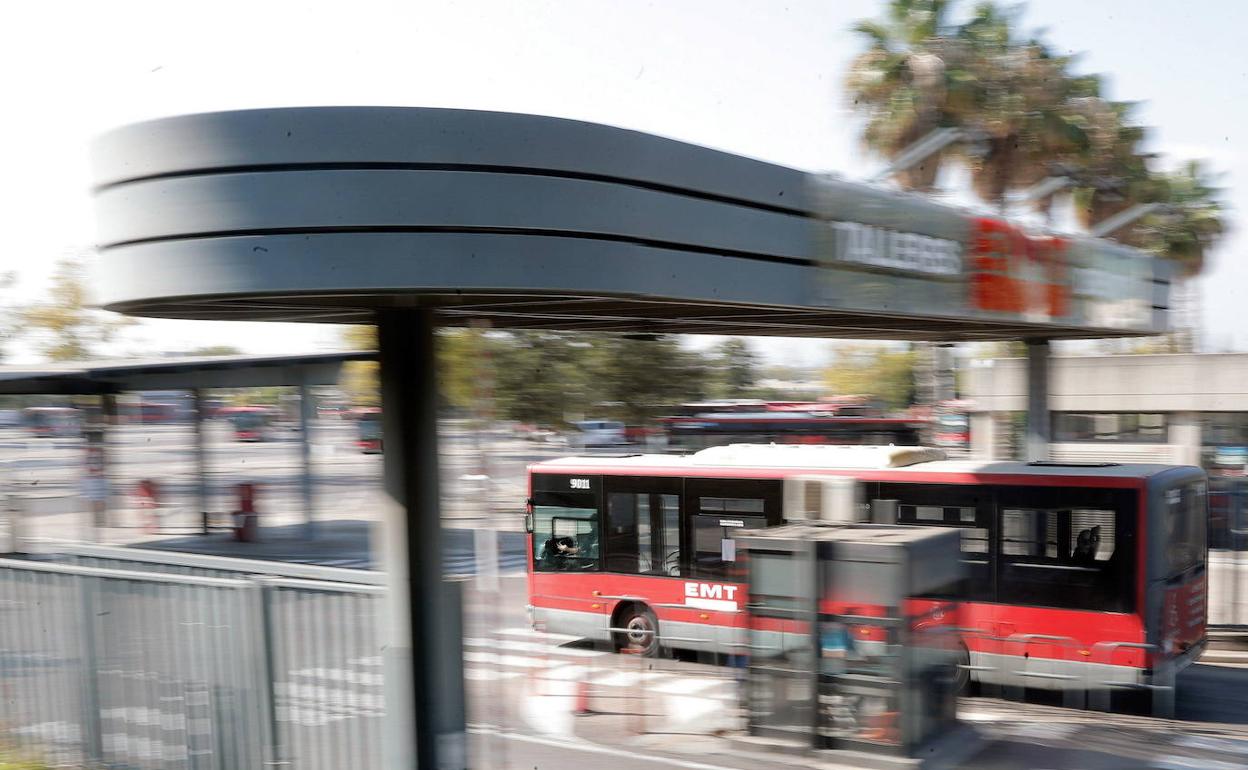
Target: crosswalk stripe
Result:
[514, 646]
[489, 674]
[534, 633]
[689, 686]
[508, 660]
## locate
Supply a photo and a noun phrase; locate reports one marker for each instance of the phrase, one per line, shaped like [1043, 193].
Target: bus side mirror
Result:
[528, 523]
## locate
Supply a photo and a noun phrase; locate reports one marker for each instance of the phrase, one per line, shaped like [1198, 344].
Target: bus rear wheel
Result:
[639, 631]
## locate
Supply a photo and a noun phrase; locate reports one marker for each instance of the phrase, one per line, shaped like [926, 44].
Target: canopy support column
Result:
[423, 654]
[306, 407]
[201, 458]
[1038, 419]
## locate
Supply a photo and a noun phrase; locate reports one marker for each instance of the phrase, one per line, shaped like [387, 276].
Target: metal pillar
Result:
[95, 479]
[424, 700]
[1038, 421]
[306, 407]
[201, 459]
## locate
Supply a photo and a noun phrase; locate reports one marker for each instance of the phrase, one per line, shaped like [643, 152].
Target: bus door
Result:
[716, 512]
[643, 534]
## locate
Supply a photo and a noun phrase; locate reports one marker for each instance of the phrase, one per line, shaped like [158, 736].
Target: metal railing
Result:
[199, 565]
[150, 669]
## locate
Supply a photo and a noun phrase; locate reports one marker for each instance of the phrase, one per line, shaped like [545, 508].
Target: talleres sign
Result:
[899, 253]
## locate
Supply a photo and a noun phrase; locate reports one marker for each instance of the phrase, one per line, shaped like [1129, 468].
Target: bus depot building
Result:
[1184, 409]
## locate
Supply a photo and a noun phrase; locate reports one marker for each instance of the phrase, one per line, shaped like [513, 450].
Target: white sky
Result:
[756, 78]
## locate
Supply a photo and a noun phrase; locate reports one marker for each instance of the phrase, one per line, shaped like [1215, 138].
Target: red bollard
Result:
[582, 708]
[149, 504]
[246, 519]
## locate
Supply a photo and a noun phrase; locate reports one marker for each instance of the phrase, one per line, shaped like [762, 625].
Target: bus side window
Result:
[1067, 548]
[670, 505]
[951, 505]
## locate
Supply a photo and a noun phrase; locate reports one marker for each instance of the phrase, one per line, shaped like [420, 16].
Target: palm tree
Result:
[902, 82]
[1023, 103]
[1191, 221]
[1188, 225]
[1111, 172]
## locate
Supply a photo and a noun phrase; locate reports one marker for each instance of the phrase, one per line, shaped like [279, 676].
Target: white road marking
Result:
[592, 748]
[514, 646]
[1193, 763]
[688, 685]
[1210, 743]
[533, 633]
[508, 660]
[489, 674]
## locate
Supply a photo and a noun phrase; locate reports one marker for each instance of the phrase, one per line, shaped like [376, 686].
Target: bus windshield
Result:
[1185, 515]
[369, 427]
[565, 538]
[249, 421]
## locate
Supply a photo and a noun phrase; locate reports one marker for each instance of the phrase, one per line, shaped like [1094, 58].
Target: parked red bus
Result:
[951, 424]
[151, 412]
[785, 426]
[368, 430]
[52, 421]
[1098, 571]
[250, 423]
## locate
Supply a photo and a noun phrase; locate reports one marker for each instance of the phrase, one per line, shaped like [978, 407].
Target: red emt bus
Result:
[1096, 570]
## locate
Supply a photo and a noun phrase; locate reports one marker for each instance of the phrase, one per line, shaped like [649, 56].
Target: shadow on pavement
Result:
[339, 543]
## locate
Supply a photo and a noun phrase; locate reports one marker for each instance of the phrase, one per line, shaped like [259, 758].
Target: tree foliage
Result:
[548, 378]
[65, 326]
[1026, 115]
[736, 369]
[885, 374]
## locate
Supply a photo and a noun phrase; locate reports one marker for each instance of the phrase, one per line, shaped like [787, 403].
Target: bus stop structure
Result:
[107, 380]
[411, 218]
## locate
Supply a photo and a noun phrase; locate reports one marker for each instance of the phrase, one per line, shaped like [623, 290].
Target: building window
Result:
[1120, 427]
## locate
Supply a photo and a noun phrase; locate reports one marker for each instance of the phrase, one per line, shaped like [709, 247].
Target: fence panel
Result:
[156, 670]
[327, 679]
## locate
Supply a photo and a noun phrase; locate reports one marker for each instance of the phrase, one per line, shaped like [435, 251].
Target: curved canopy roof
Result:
[325, 214]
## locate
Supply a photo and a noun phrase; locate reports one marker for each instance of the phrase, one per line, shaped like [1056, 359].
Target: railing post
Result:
[92, 740]
[260, 620]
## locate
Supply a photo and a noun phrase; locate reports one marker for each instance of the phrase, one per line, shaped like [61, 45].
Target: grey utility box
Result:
[853, 635]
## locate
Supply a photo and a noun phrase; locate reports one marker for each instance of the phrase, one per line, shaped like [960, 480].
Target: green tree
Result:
[359, 380]
[886, 374]
[66, 327]
[1024, 114]
[637, 378]
[541, 377]
[463, 356]
[736, 369]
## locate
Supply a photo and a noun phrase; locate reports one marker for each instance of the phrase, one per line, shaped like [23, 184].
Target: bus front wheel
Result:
[639, 631]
